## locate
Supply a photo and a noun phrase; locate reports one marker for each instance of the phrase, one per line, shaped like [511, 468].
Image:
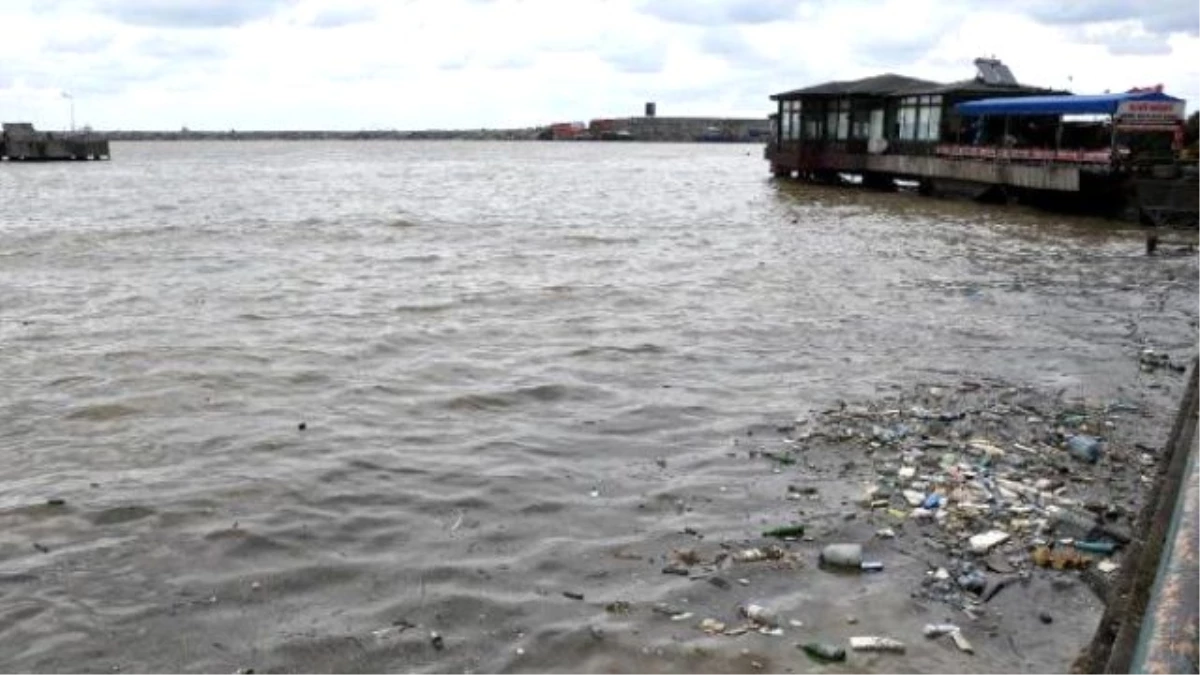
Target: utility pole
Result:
[71, 98]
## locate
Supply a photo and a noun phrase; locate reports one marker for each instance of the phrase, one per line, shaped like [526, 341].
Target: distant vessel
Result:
[19, 142]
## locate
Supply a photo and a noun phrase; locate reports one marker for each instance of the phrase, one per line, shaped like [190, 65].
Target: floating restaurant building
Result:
[992, 138]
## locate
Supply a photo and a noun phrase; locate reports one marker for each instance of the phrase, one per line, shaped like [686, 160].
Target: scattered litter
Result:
[886, 533]
[572, 595]
[1085, 448]
[1059, 558]
[760, 615]
[847, 556]
[436, 640]
[961, 642]
[982, 543]
[1101, 547]
[758, 554]
[936, 630]
[785, 531]
[823, 651]
[712, 626]
[1107, 566]
[876, 644]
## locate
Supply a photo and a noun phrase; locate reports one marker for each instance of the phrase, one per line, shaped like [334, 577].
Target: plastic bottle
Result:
[822, 651]
[842, 555]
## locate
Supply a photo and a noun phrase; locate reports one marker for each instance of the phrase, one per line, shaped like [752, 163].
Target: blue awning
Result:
[1091, 104]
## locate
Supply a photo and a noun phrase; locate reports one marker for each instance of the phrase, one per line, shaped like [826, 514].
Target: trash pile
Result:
[999, 479]
[990, 485]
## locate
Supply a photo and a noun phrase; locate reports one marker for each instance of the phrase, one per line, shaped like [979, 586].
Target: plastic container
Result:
[822, 651]
[848, 556]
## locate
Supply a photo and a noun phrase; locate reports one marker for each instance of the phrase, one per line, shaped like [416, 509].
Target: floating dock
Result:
[20, 142]
[993, 139]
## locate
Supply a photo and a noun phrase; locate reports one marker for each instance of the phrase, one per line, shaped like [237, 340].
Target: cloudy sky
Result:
[416, 64]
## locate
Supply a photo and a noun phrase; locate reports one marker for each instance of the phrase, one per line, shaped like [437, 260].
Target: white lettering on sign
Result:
[1149, 112]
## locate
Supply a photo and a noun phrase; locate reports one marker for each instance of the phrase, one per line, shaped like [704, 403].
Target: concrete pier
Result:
[19, 141]
[1150, 624]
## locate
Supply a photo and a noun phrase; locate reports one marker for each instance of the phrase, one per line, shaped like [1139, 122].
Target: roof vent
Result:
[992, 71]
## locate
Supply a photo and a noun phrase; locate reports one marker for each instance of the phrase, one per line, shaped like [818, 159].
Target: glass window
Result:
[843, 125]
[785, 126]
[932, 123]
[795, 125]
[908, 123]
[831, 124]
[811, 127]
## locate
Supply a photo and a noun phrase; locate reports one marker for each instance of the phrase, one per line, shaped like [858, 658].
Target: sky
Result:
[461, 64]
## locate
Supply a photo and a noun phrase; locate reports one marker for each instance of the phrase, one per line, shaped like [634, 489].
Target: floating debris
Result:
[876, 644]
[759, 554]
[982, 543]
[823, 651]
[1059, 558]
[785, 531]
[760, 615]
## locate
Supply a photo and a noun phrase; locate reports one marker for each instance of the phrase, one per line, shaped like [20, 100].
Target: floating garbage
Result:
[936, 630]
[876, 644]
[1102, 547]
[1085, 448]
[1059, 558]
[982, 543]
[759, 554]
[961, 642]
[823, 651]
[846, 556]
[760, 615]
[785, 531]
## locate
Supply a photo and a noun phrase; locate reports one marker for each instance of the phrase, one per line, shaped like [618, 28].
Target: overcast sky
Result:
[416, 64]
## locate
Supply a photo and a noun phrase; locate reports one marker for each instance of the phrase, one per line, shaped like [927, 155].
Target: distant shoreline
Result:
[233, 135]
[482, 135]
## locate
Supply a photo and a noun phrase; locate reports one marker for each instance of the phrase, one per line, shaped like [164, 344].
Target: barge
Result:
[993, 139]
[19, 141]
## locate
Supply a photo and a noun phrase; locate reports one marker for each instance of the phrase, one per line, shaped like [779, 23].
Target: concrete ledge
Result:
[1148, 607]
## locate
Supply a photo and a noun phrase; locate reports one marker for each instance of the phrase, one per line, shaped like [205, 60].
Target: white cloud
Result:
[219, 64]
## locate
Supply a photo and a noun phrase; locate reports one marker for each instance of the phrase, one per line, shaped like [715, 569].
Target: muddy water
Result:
[491, 347]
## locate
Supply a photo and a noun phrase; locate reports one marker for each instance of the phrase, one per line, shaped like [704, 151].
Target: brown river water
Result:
[520, 370]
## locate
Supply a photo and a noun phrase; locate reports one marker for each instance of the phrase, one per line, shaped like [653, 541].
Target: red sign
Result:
[1149, 112]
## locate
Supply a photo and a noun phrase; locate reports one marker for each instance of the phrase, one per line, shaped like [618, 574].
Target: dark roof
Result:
[888, 84]
[977, 86]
